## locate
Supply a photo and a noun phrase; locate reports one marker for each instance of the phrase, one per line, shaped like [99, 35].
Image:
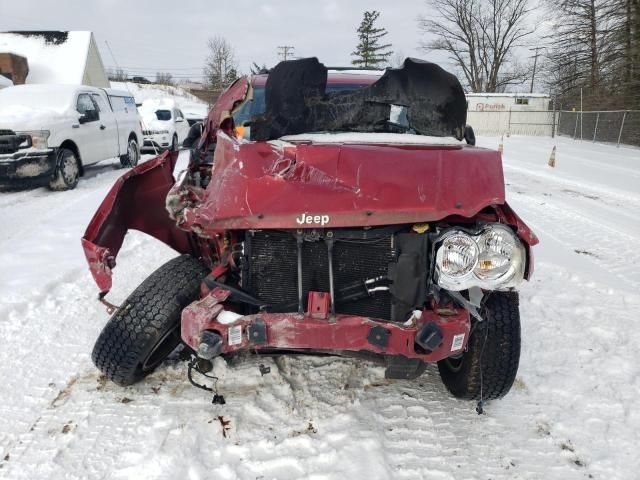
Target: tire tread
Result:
[501, 355]
[147, 314]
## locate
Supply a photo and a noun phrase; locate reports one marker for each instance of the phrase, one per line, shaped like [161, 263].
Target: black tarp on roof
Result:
[430, 99]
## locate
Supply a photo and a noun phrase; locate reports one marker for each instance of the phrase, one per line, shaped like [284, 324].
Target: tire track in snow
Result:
[599, 244]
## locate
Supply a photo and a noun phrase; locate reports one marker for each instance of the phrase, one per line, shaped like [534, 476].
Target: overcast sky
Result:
[168, 35]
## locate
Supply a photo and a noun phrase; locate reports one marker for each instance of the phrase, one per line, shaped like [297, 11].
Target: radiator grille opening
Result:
[272, 272]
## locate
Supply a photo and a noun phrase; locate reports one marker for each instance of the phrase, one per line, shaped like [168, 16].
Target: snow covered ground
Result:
[572, 413]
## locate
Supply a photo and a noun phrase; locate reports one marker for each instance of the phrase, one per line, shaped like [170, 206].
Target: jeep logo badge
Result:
[305, 219]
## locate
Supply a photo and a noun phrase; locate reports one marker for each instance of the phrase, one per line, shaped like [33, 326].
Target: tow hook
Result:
[210, 345]
[110, 306]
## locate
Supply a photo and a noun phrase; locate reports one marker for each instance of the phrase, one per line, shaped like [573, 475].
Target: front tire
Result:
[174, 143]
[67, 172]
[146, 328]
[493, 349]
[132, 156]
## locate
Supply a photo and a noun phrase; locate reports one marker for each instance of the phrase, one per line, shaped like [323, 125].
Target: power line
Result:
[156, 68]
[283, 51]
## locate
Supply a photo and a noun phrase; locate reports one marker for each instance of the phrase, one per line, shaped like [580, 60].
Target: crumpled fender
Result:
[135, 202]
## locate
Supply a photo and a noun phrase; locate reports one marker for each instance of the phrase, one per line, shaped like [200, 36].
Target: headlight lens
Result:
[39, 138]
[458, 255]
[493, 259]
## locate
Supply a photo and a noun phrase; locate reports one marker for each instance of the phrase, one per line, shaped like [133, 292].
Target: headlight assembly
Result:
[492, 259]
[39, 138]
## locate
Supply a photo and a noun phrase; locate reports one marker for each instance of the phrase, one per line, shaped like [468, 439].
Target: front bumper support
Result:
[337, 334]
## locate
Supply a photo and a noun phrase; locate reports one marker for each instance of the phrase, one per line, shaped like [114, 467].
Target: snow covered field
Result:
[572, 414]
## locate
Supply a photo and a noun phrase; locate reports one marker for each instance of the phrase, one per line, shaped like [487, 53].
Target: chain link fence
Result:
[619, 126]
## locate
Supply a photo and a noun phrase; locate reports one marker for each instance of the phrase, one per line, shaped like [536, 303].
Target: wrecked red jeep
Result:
[324, 212]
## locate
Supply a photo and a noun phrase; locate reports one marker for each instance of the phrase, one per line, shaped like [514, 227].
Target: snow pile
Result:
[51, 62]
[142, 92]
[191, 106]
[571, 415]
[5, 82]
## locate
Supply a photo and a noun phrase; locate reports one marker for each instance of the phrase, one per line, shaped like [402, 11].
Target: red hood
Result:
[272, 185]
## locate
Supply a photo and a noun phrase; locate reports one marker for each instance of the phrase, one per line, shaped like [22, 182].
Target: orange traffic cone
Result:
[501, 145]
[552, 158]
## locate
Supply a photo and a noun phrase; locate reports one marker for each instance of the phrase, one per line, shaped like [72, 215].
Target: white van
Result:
[48, 133]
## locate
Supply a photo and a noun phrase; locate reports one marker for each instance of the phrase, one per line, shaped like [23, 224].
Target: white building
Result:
[58, 57]
[510, 113]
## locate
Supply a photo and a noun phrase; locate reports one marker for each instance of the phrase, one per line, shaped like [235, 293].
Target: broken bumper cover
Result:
[340, 334]
[26, 168]
[135, 202]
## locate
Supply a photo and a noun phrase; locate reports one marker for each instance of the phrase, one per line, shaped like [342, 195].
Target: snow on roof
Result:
[509, 95]
[53, 57]
[366, 137]
[153, 104]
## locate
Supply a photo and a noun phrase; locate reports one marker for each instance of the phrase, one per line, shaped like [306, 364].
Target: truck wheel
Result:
[146, 328]
[67, 172]
[494, 346]
[132, 156]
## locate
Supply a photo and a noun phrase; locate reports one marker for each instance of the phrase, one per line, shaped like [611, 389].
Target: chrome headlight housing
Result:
[493, 259]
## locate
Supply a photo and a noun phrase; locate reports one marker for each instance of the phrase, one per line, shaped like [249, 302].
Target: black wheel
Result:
[146, 328]
[493, 349]
[67, 173]
[174, 143]
[132, 156]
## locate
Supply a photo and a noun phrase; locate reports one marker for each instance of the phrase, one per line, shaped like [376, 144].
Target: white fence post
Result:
[595, 130]
[621, 127]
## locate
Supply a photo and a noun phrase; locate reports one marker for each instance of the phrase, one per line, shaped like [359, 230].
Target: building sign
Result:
[490, 107]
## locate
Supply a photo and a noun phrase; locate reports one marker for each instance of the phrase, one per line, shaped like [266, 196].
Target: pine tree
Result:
[369, 52]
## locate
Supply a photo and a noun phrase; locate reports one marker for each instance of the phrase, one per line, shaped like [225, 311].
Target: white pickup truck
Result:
[48, 133]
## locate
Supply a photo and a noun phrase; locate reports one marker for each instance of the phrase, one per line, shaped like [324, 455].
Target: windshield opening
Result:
[257, 105]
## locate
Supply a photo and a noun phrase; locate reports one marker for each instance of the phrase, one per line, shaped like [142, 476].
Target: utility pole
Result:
[283, 52]
[535, 63]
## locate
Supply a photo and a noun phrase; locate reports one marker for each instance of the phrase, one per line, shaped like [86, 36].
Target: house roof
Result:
[53, 57]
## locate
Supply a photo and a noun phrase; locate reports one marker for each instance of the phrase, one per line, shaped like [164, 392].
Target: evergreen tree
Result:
[369, 52]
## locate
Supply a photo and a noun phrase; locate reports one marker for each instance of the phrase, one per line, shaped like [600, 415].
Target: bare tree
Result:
[257, 69]
[220, 68]
[594, 53]
[119, 75]
[164, 78]
[480, 37]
